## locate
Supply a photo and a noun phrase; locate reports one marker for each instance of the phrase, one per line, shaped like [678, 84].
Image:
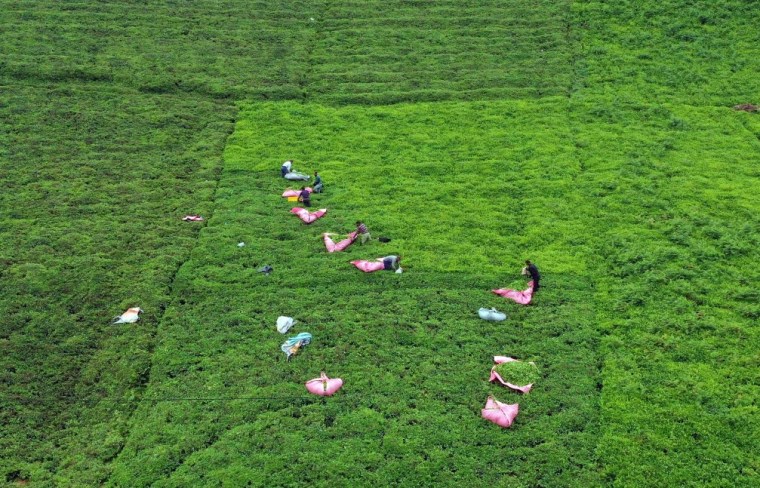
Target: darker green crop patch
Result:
[672, 297]
[95, 183]
[701, 53]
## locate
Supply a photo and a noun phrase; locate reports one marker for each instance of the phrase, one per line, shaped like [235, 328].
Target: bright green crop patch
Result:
[450, 185]
[466, 193]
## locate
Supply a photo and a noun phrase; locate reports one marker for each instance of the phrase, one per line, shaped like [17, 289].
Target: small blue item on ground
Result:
[293, 344]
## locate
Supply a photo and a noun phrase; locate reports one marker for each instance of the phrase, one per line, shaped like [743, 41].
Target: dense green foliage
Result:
[413, 353]
[678, 305]
[669, 51]
[95, 183]
[594, 137]
[206, 47]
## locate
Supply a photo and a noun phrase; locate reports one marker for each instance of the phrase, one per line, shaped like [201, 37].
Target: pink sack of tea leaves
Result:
[499, 413]
[324, 386]
[521, 297]
[337, 247]
[294, 193]
[518, 371]
[306, 216]
[369, 266]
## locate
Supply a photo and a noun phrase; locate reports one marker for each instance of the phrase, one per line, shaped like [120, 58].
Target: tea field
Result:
[595, 138]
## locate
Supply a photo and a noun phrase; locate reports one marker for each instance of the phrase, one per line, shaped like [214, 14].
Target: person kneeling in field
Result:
[391, 263]
[305, 197]
[318, 186]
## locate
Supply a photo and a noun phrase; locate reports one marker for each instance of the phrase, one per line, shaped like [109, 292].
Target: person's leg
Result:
[318, 188]
[365, 237]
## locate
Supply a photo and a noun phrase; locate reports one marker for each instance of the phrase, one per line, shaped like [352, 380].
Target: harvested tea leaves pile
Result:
[518, 372]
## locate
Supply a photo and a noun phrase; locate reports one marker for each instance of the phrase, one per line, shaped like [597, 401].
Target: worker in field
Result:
[305, 197]
[363, 232]
[318, 186]
[286, 167]
[532, 270]
[392, 263]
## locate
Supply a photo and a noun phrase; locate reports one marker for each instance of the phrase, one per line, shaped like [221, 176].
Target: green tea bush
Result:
[669, 283]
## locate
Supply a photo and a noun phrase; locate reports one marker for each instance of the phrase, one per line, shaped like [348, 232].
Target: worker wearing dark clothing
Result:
[533, 272]
[391, 263]
[305, 197]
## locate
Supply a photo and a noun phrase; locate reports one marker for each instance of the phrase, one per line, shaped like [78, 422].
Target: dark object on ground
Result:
[384, 239]
[266, 269]
[747, 107]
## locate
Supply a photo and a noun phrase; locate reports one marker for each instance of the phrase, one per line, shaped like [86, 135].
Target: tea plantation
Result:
[596, 138]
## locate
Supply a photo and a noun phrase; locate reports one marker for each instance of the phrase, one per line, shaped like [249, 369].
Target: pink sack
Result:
[332, 247]
[496, 377]
[324, 386]
[521, 297]
[369, 266]
[192, 218]
[295, 193]
[306, 216]
[499, 413]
